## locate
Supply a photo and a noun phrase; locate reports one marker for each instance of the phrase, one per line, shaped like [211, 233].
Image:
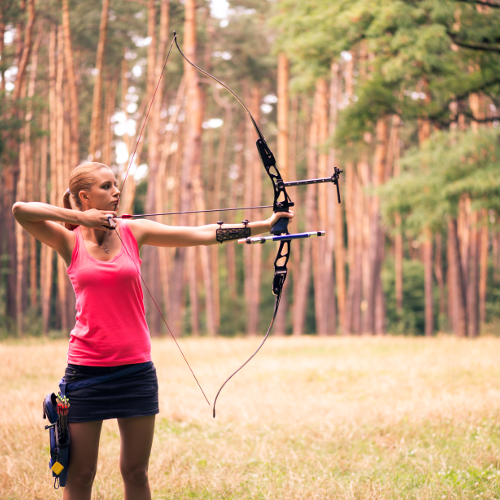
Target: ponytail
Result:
[80, 179]
[67, 204]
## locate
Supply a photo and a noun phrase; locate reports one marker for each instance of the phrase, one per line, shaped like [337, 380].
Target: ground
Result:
[308, 418]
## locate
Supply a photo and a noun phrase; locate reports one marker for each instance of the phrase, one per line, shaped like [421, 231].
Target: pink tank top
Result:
[111, 326]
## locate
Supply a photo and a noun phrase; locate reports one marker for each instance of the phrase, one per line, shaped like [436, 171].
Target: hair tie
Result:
[68, 191]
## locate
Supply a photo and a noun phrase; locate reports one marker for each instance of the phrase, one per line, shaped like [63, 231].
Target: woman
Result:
[110, 331]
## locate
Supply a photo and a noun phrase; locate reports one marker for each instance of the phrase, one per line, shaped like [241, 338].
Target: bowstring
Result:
[276, 305]
[164, 320]
[135, 216]
[147, 114]
[121, 190]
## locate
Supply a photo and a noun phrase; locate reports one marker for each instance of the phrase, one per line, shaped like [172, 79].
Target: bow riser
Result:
[282, 201]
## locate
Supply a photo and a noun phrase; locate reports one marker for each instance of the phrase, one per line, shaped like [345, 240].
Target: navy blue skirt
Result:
[133, 395]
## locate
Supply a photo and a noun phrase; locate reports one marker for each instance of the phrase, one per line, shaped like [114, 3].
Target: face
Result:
[104, 193]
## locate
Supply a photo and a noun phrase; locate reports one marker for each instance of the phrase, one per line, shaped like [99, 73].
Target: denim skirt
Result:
[133, 395]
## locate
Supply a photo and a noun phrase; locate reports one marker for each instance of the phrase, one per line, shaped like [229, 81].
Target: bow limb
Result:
[282, 201]
[276, 305]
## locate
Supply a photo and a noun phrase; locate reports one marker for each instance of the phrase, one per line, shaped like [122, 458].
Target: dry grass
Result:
[309, 418]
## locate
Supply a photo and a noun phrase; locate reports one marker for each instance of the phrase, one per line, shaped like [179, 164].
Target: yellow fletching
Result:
[57, 468]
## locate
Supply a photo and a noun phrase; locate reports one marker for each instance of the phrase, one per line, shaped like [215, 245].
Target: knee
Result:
[82, 476]
[137, 474]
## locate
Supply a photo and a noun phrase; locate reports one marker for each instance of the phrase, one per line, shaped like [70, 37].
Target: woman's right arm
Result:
[40, 220]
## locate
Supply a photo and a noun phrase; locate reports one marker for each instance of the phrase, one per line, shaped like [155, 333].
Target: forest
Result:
[402, 95]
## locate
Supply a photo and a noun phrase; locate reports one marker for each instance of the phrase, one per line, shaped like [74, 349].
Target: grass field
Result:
[309, 418]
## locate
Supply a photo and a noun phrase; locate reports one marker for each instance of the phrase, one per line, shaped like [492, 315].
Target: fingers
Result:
[100, 219]
[288, 215]
[111, 222]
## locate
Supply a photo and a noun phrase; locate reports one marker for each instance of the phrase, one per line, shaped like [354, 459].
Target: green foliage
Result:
[435, 176]
[411, 319]
[406, 50]
[375, 99]
[140, 197]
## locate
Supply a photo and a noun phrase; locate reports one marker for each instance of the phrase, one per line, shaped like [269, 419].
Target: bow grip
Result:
[281, 226]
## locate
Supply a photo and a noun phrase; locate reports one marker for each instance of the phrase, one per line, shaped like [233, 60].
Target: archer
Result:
[102, 255]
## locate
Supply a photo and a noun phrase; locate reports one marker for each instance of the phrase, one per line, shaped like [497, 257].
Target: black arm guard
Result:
[232, 233]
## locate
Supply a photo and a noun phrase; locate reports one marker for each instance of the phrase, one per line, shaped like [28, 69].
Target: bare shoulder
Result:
[142, 228]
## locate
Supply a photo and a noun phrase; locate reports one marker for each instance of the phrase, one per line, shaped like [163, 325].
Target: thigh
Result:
[84, 447]
[136, 440]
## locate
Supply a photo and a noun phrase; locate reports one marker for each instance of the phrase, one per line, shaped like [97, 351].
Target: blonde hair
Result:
[81, 179]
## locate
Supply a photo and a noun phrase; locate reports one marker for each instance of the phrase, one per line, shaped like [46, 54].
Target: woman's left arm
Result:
[147, 232]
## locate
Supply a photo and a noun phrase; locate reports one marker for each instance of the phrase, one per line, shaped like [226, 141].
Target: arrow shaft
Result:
[137, 216]
[283, 237]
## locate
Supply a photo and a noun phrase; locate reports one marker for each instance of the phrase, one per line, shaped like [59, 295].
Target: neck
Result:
[96, 236]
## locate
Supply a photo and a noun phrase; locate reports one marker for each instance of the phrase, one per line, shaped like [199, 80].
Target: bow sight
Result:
[334, 178]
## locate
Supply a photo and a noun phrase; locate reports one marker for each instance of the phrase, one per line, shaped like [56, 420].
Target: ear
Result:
[84, 196]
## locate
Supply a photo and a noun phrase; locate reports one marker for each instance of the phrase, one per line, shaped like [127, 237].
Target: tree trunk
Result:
[21, 234]
[394, 169]
[349, 201]
[429, 299]
[53, 122]
[335, 211]
[479, 241]
[463, 231]
[354, 291]
[62, 278]
[375, 261]
[452, 320]
[364, 217]
[164, 201]
[46, 253]
[457, 281]
[380, 312]
[303, 281]
[193, 291]
[483, 266]
[26, 50]
[231, 249]
[155, 65]
[73, 91]
[10, 174]
[322, 248]
[31, 177]
[438, 272]
[109, 111]
[95, 124]
[204, 256]
[473, 288]
[424, 133]
[191, 155]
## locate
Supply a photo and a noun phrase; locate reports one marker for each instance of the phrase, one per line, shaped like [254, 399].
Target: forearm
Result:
[38, 212]
[153, 233]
